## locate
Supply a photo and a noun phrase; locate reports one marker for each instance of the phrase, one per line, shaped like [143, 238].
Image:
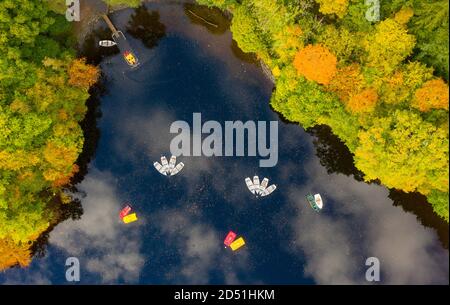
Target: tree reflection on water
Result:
[337, 158]
[146, 26]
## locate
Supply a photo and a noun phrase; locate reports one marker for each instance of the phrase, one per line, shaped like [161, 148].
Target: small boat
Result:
[250, 185]
[130, 58]
[238, 243]
[268, 190]
[130, 218]
[315, 202]
[125, 211]
[170, 168]
[263, 185]
[229, 238]
[172, 162]
[259, 189]
[177, 169]
[256, 185]
[106, 43]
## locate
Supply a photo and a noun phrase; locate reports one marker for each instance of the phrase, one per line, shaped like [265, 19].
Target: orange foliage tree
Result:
[364, 101]
[64, 179]
[82, 75]
[316, 63]
[12, 253]
[432, 95]
[348, 81]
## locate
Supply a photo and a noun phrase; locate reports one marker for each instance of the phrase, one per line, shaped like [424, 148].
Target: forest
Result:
[380, 81]
[43, 89]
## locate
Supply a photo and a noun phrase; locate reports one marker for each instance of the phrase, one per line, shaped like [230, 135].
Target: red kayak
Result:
[125, 211]
[230, 238]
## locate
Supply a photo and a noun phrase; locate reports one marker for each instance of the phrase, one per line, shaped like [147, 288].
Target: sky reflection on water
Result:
[183, 219]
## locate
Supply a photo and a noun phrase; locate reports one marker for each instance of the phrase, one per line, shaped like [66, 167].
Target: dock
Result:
[122, 43]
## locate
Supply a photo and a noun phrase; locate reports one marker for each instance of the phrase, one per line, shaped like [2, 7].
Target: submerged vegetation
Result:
[381, 86]
[43, 89]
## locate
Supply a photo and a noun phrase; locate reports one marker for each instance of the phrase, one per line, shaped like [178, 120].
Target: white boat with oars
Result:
[106, 43]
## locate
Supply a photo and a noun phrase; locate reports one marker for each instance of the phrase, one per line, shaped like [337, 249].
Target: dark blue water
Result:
[183, 220]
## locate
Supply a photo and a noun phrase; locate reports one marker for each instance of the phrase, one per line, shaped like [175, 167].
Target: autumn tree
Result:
[43, 90]
[364, 101]
[316, 63]
[82, 75]
[404, 15]
[362, 78]
[338, 7]
[288, 42]
[405, 152]
[347, 82]
[12, 253]
[344, 44]
[432, 95]
[388, 46]
[399, 87]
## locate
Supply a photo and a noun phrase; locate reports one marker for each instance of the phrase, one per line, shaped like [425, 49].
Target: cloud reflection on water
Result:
[104, 245]
[359, 221]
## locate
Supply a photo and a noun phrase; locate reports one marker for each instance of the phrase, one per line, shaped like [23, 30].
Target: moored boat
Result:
[231, 236]
[315, 202]
[238, 243]
[106, 43]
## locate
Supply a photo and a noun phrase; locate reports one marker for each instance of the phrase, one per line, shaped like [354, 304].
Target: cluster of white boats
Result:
[259, 189]
[262, 189]
[168, 168]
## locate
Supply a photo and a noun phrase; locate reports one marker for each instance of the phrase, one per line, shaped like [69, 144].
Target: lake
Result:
[188, 66]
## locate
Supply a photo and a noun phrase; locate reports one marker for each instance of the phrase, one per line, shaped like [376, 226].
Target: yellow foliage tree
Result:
[61, 160]
[404, 15]
[288, 42]
[316, 63]
[388, 46]
[404, 152]
[338, 7]
[59, 155]
[17, 160]
[432, 95]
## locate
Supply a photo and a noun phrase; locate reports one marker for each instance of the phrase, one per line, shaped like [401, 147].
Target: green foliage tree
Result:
[430, 26]
[439, 201]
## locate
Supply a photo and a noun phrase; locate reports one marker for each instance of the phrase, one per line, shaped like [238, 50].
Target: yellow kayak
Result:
[238, 243]
[130, 218]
